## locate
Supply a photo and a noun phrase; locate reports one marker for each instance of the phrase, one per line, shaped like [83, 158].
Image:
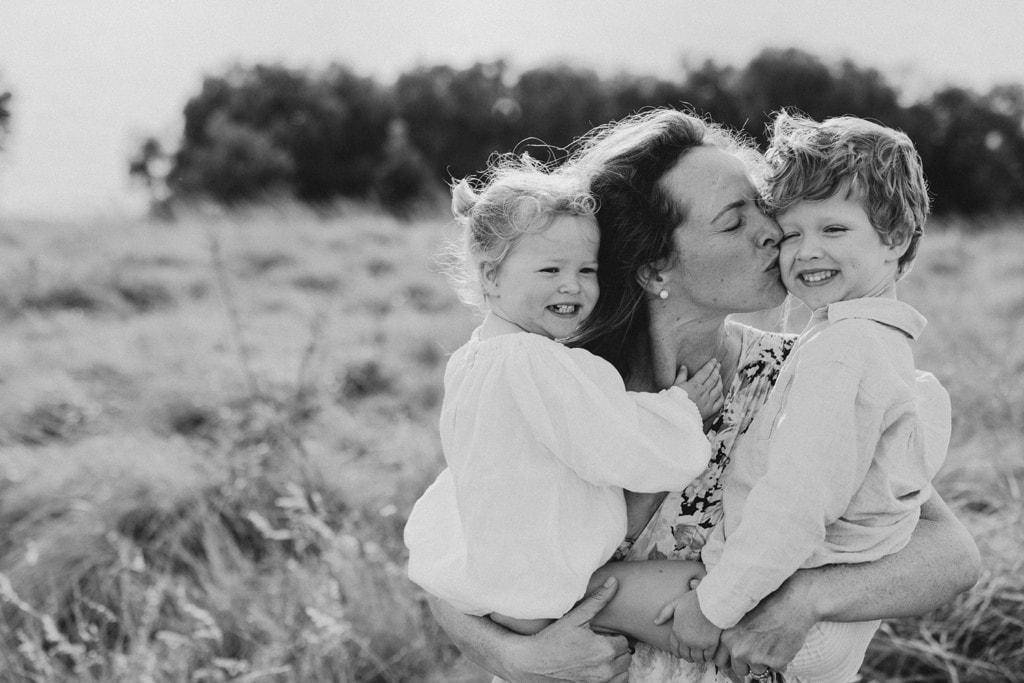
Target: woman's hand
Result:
[770, 634]
[567, 650]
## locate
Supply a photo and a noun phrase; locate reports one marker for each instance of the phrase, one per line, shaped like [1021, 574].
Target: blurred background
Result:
[90, 84]
[225, 327]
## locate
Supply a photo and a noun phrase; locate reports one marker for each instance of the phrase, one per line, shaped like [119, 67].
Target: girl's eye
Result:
[787, 235]
[588, 271]
[549, 270]
[835, 229]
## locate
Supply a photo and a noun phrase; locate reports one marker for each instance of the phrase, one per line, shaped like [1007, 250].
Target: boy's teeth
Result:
[819, 276]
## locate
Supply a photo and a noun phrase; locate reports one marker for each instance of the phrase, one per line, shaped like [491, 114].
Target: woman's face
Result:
[726, 249]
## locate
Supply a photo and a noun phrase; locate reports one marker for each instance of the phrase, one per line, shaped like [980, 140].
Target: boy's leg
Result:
[644, 588]
[833, 651]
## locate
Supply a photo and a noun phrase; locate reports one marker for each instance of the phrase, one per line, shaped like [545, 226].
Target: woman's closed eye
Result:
[737, 225]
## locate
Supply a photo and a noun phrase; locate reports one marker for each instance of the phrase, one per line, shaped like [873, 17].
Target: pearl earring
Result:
[663, 294]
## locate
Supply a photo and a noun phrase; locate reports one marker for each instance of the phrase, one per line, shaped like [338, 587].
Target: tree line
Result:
[267, 130]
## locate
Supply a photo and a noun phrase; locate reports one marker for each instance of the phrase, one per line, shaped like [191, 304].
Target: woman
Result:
[683, 246]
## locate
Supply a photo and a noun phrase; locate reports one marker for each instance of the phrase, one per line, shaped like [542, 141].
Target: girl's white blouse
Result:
[540, 440]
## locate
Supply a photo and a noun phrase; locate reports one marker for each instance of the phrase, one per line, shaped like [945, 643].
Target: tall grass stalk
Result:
[211, 434]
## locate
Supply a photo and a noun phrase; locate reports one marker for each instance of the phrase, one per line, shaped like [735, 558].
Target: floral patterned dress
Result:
[681, 525]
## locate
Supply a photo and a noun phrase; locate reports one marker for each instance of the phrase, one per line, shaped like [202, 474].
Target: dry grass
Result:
[211, 432]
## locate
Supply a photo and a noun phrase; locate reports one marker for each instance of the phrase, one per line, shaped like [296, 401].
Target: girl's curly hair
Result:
[516, 196]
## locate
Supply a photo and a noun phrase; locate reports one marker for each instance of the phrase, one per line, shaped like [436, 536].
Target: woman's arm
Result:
[567, 650]
[940, 561]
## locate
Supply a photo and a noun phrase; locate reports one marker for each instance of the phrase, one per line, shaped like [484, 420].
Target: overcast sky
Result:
[90, 78]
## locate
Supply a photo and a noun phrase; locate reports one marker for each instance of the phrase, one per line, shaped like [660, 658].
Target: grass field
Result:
[211, 432]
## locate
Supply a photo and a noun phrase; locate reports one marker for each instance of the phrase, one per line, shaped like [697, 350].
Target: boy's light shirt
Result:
[836, 465]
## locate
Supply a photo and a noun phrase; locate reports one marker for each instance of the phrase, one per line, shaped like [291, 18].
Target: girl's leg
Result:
[526, 627]
[644, 588]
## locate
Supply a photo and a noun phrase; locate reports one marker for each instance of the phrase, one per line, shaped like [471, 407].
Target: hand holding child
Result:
[694, 638]
[704, 388]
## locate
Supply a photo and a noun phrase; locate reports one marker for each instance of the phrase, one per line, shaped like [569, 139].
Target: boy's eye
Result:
[835, 228]
[787, 235]
[552, 269]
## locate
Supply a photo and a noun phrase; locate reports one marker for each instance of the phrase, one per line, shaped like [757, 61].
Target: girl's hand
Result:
[704, 388]
[694, 638]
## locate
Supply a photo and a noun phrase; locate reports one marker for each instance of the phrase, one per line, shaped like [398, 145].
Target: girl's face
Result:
[830, 252]
[726, 250]
[548, 284]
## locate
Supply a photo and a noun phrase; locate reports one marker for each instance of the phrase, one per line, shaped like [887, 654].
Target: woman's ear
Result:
[651, 277]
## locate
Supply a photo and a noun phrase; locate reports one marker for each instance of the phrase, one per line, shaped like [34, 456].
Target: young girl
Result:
[540, 439]
[836, 465]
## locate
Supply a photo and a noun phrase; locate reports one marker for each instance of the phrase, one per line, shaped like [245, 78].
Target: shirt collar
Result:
[891, 312]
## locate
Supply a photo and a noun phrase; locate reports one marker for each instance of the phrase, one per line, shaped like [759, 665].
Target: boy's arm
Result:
[940, 561]
[566, 650]
[815, 463]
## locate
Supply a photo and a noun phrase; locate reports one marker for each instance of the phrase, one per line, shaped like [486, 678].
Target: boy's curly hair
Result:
[811, 160]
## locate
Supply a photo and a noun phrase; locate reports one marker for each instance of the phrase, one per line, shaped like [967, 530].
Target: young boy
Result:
[836, 465]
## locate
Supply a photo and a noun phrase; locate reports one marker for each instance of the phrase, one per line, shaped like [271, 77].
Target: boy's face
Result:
[548, 284]
[830, 252]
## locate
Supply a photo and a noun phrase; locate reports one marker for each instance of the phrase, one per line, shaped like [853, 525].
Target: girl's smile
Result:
[548, 283]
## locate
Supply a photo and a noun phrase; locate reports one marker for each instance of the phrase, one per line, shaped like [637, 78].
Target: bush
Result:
[318, 136]
[321, 136]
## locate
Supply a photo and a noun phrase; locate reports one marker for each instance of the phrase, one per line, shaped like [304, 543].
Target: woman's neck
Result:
[691, 341]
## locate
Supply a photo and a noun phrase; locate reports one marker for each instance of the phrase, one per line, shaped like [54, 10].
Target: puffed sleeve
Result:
[580, 411]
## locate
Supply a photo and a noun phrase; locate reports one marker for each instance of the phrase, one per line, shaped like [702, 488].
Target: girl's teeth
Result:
[564, 308]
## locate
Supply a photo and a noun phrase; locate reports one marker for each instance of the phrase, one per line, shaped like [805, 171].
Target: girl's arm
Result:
[940, 561]
[566, 650]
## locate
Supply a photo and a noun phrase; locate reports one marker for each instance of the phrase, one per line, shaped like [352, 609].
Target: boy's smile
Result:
[831, 252]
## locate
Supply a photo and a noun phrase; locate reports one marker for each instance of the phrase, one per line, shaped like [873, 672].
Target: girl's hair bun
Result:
[464, 198]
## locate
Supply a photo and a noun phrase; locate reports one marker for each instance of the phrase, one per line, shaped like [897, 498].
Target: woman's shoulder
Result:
[760, 347]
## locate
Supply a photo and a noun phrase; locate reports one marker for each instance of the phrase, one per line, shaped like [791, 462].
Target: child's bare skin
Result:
[704, 389]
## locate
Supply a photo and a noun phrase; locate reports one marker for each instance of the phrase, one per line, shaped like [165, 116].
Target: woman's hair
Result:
[625, 162]
[812, 161]
[516, 196]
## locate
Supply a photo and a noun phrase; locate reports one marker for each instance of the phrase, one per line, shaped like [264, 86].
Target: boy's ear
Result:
[898, 249]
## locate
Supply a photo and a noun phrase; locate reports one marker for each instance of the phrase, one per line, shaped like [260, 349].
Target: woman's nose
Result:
[770, 234]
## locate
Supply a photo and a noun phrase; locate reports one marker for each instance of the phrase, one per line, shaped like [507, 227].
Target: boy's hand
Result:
[694, 638]
[704, 388]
